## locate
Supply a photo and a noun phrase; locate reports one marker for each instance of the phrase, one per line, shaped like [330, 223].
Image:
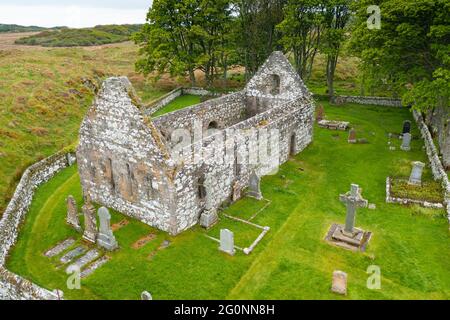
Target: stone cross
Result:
[416, 173]
[406, 127]
[90, 222]
[406, 145]
[227, 242]
[352, 136]
[254, 187]
[353, 200]
[106, 237]
[72, 214]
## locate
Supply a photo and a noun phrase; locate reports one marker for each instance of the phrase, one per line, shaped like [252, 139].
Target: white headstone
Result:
[227, 242]
[416, 173]
[106, 237]
[406, 144]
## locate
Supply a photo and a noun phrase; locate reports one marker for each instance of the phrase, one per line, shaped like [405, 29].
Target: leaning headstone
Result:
[106, 237]
[406, 127]
[339, 285]
[146, 296]
[406, 144]
[352, 136]
[90, 222]
[254, 186]
[72, 214]
[227, 242]
[416, 173]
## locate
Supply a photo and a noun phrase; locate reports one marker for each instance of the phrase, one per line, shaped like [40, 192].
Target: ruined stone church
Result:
[125, 160]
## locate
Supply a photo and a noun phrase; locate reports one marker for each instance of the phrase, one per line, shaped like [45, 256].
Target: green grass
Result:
[429, 191]
[177, 104]
[293, 261]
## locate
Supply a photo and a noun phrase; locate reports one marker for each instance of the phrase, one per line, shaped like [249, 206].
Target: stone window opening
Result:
[213, 125]
[201, 190]
[149, 187]
[293, 145]
[275, 85]
[129, 180]
[111, 175]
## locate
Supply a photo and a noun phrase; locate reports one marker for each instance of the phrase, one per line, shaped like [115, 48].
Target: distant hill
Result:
[16, 28]
[97, 35]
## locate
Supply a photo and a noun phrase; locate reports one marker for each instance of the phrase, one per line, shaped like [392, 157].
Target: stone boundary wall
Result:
[160, 103]
[437, 168]
[378, 101]
[13, 286]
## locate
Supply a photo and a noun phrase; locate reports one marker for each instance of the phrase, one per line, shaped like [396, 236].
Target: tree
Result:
[411, 53]
[182, 36]
[337, 15]
[411, 50]
[257, 36]
[302, 29]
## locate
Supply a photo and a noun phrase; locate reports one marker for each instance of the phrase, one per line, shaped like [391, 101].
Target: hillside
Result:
[16, 28]
[98, 35]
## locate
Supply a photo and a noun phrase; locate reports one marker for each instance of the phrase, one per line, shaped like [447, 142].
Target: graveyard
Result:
[295, 258]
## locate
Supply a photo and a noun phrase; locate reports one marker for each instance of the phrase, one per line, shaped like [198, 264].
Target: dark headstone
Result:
[406, 127]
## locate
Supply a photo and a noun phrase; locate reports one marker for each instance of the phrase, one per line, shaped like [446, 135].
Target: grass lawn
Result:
[177, 104]
[409, 244]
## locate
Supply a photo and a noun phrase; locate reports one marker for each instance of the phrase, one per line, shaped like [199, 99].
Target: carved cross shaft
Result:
[352, 200]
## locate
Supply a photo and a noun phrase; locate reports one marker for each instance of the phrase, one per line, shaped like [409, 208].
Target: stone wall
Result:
[379, 101]
[224, 174]
[163, 101]
[437, 168]
[13, 286]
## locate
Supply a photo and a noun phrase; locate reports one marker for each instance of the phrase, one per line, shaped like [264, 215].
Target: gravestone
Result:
[71, 159]
[352, 200]
[106, 237]
[339, 285]
[227, 242]
[416, 173]
[352, 136]
[146, 296]
[209, 217]
[254, 186]
[320, 113]
[406, 144]
[236, 192]
[347, 236]
[90, 222]
[73, 219]
[406, 127]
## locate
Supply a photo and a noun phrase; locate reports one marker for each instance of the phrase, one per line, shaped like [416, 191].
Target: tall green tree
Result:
[411, 50]
[302, 30]
[182, 36]
[257, 35]
[336, 17]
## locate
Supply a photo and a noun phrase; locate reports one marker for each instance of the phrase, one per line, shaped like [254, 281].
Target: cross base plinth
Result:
[355, 241]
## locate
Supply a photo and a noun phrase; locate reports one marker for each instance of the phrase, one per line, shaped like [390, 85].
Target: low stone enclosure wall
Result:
[13, 286]
[160, 103]
[437, 168]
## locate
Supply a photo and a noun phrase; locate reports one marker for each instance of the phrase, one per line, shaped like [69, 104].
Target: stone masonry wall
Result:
[13, 286]
[122, 161]
[433, 156]
[379, 101]
[222, 176]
